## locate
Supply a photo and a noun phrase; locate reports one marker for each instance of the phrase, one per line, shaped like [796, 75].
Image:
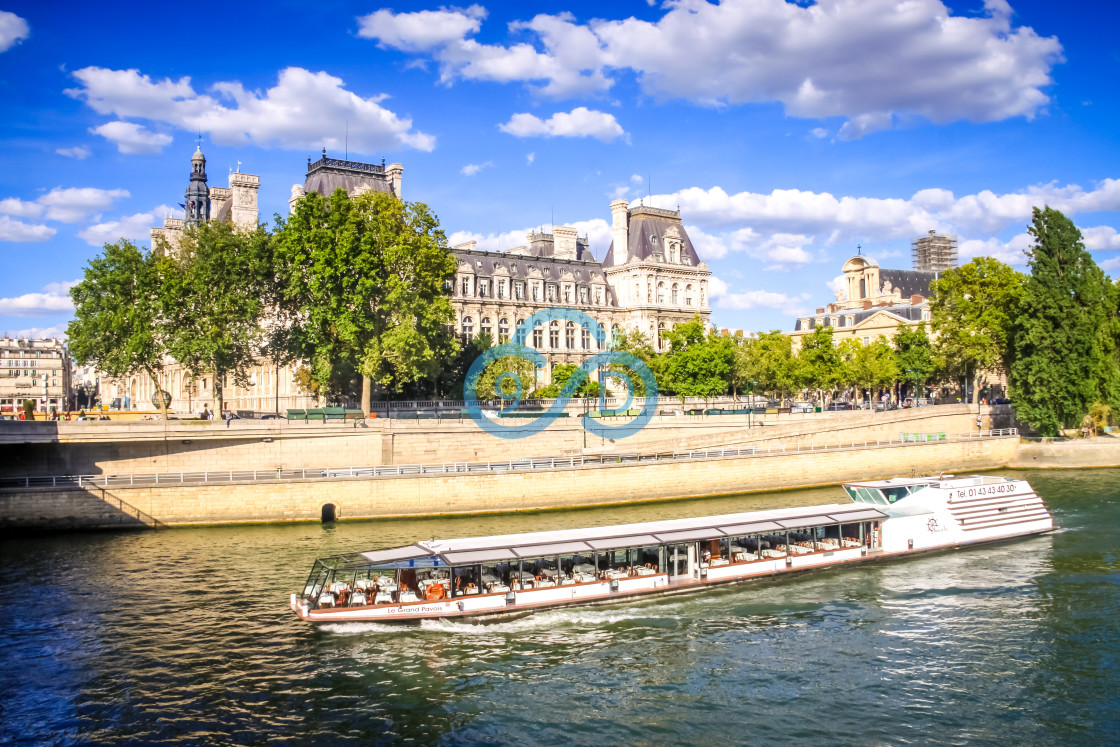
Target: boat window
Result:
[743, 548]
[853, 494]
[894, 494]
[538, 572]
[580, 568]
[466, 580]
[495, 577]
[648, 558]
[870, 495]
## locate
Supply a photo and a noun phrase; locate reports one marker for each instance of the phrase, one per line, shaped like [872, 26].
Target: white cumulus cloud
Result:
[17, 207]
[870, 62]
[297, 112]
[473, 168]
[133, 138]
[13, 30]
[75, 204]
[135, 227]
[761, 299]
[18, 231]
[1101, 238]
[579, 122]
[1010, 252]
[55, 299]
[423, 30]
[79, 152]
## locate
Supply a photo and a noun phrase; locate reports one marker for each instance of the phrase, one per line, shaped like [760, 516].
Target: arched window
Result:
[503, 331]
[484, 326]
[661, 336]
[570, 336]
[468, 327]
[661, 292]
[676, 294]
[688, 295]
[554, 334]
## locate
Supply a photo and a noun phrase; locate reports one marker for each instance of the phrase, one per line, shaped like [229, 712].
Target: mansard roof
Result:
[522, 266]
[328, 174]
[910, 282]
[647, 228]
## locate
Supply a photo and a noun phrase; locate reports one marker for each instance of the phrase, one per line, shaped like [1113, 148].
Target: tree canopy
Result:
[972, 309]
[1064, 354]
[212, 302]
[369, 277]
[117, 314]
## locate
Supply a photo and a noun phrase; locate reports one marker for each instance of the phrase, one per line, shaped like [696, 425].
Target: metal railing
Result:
[512, 465]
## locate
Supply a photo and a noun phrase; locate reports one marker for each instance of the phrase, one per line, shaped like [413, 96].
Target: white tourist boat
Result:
[512, 575]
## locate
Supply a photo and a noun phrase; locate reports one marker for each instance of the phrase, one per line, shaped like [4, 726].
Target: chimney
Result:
[394, 172]
[916, 299]
[820, 309]
[867, 303]
[564, 242]
[620, 231]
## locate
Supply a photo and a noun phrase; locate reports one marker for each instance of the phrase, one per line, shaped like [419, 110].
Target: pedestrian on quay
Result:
[979, 422]
[205, 414]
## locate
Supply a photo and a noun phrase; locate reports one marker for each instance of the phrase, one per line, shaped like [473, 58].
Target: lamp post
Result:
[914, 378]
[750, 401]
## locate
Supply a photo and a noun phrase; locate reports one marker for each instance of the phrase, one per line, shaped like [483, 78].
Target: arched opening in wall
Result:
[329, 513]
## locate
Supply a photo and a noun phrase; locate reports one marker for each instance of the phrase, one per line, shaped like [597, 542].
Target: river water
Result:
[184, 636]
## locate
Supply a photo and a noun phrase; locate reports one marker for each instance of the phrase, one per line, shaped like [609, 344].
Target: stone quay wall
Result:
[96, 448]
[434, 494]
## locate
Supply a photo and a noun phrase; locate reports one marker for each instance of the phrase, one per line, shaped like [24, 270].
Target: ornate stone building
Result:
[38, 370]
[650, 280]
[872, 302]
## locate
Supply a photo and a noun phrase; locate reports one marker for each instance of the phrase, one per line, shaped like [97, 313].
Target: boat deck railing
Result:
[512, 465]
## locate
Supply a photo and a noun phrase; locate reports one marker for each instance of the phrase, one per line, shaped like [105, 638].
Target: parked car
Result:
[270, 416]
[884, 406]
[837, 406]
[801, 407]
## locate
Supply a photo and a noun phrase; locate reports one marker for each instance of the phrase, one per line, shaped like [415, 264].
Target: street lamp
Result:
[750, 402]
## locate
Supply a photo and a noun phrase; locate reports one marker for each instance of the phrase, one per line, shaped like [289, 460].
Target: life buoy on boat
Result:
[435, 591]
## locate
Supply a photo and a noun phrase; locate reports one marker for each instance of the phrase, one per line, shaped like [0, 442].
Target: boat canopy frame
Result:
[500, 548]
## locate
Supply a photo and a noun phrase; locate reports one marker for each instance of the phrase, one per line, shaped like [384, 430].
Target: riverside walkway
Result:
[310, 474]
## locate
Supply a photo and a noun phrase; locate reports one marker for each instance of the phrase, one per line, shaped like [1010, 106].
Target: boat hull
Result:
[498, 607]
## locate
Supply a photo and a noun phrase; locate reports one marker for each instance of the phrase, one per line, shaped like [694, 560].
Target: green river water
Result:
[184, 636]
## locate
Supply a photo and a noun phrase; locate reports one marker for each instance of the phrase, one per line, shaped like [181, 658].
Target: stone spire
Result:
[198, 194]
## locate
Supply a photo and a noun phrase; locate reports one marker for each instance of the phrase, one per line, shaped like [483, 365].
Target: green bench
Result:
[334, 413]
[316, 413]
[297, 415]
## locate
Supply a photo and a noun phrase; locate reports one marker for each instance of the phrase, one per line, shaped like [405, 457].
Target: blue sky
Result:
[788, 133]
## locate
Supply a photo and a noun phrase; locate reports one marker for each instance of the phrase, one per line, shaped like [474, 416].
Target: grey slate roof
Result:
[647, 227]
[519, 266]
[909, 282]
[328, 174]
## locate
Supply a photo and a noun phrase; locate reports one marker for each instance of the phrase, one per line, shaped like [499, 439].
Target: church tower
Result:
[198, 194]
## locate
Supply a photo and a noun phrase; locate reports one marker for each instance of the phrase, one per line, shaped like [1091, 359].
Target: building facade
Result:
[38, 370]
[872, 302]
[651, 279]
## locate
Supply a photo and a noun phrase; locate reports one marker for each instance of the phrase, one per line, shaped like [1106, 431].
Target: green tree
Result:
[487, 386]
[116, 323]
[561, 373]
[212, 302]
[820, 366]
[872, 366]
[637, 344]
[1059, 365]
[913, 353]
[772, 363]
[697, 362]
[370, 277]
[972, 310]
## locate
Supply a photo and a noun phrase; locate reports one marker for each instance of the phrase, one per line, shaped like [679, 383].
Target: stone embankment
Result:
[858, 445]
